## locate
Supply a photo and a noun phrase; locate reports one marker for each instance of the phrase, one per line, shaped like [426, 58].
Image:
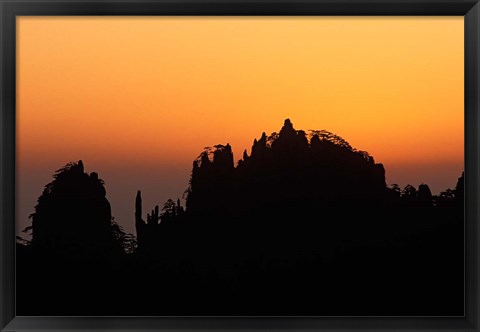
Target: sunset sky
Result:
[138, 98]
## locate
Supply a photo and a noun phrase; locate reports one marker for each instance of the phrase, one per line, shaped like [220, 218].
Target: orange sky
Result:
[137, 98]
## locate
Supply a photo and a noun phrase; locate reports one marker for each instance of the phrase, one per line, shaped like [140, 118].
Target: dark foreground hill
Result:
[304, 225]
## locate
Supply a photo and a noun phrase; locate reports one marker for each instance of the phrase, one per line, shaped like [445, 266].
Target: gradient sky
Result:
[138, 98]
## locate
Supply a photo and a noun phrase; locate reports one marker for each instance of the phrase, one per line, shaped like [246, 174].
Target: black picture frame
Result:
[9, 9]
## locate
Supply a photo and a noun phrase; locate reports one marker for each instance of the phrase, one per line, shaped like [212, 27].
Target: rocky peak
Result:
[287, 129]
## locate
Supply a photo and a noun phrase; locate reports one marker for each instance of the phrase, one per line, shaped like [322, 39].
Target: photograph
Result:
[246, 166]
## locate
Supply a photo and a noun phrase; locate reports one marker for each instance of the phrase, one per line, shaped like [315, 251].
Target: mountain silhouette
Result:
[304, 218]
[289, 179]
[73, 216]
[286, 172]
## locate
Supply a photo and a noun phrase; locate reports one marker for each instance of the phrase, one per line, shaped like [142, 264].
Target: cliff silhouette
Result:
[286, 172]
[303, 218]
[73, 217]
